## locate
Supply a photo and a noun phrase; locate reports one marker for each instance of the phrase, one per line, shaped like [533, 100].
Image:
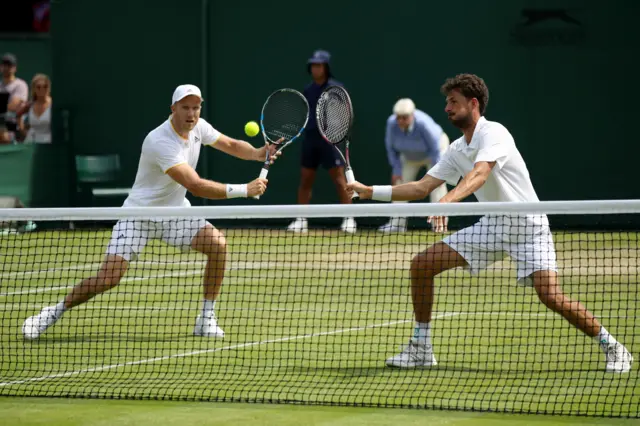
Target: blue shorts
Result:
[319, 152]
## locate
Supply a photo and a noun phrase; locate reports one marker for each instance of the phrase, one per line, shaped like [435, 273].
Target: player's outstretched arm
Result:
[186, 176]
[470, 183]
[244, 150]
[405, 192]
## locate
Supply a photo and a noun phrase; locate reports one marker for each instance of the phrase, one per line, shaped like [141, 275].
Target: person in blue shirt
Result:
[413, 140]
[315, 150]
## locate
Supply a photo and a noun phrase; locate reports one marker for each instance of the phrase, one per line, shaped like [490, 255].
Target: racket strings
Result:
[284, 116]
[334, 116]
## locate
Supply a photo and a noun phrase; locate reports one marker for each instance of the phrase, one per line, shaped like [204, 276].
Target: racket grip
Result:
[350, 179]
[263, 175]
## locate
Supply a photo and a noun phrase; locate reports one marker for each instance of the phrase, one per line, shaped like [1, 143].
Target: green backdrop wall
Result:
[559, 86]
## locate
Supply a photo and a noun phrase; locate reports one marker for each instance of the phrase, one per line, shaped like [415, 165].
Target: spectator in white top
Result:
[413, 140]
[166, 172]
[37, 124]
[18, 93]
[493, 169]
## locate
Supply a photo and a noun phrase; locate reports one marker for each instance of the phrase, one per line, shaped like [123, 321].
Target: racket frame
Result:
[265, 166]
[348, 171]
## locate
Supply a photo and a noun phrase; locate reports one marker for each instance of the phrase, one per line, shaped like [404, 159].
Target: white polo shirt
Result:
[509, 180]
[162, 149]
[526, 238]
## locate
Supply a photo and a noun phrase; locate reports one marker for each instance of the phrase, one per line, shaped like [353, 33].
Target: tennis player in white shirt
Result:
[493, 169]
[166, 172]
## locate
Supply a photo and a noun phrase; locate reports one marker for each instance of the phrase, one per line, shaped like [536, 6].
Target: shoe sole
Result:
[433, 364]
[27, 337]
[216, 335]
[624, 370]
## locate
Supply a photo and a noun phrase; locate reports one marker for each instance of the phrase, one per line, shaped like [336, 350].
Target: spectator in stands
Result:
[18, 93]
[42, 16]
[413, 140]
[38, 111]
[315, 150]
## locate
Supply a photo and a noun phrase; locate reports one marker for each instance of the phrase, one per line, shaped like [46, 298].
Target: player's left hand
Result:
[273, 155]
[438, 223]
[365, 192]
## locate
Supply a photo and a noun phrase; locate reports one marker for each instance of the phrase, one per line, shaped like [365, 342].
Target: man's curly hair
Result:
[471, 86]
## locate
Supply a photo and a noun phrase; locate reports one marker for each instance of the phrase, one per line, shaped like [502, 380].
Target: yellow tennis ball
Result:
[251, 128]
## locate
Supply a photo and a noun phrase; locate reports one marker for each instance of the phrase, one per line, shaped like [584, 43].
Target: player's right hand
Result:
[256, 187]
[365, 192]
[438, 223]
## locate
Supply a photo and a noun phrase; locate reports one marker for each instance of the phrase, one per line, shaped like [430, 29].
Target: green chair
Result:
[96, 176]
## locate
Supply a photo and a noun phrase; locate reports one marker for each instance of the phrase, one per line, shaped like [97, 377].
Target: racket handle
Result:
[263, 175]
[350, 179]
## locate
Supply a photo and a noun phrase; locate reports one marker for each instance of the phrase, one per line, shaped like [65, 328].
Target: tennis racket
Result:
[284, 116]
[334, 116]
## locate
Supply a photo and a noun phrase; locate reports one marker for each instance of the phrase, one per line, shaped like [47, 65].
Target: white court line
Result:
[124, 281]
[206, 351]
[86, 266]
[78, 267]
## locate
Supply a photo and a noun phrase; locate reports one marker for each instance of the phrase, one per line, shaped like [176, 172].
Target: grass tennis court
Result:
[311, 319]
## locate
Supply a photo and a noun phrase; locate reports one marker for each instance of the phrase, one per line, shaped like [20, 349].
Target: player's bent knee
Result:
[111, 272]
[210, 242]
[219, 244]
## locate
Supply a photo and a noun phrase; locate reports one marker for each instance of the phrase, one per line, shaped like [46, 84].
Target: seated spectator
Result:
[38, 111]
[18, 92]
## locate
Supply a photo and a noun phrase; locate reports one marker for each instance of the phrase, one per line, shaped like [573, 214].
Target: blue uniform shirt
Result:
[315, 150]
[312, 92]
[420, 141]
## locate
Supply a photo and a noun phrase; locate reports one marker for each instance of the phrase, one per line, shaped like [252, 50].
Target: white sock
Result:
[605, 339]
[208, 306]
[59, 309]
[422, 333]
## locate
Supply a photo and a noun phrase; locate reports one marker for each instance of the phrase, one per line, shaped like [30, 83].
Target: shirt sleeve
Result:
[165, 153]
[392, 154]
[445, 169]
[209, 135]
[494, 146]
[21, 92]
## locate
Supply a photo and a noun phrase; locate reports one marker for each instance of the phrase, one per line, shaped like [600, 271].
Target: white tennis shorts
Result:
[527, 239]
[129, 237]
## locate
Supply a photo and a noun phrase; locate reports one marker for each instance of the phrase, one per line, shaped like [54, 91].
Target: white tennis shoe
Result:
[349, 225]
[207, 326]
[619, 359]
[396, 224]
[34, 326]
[299, 225]
[414, 355]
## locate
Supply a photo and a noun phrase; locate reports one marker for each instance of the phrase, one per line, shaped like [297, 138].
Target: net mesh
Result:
[312, 317]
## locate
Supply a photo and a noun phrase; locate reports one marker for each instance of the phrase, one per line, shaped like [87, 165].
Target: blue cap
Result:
[320, 57]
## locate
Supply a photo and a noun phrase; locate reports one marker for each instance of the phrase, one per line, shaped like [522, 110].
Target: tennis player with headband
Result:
[166, 172]
[493, 169]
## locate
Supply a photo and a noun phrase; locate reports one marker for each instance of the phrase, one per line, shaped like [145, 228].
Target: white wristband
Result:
[382, 192]
[236, 191]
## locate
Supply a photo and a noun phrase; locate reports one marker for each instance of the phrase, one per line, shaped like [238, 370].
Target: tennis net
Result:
[316, 317]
